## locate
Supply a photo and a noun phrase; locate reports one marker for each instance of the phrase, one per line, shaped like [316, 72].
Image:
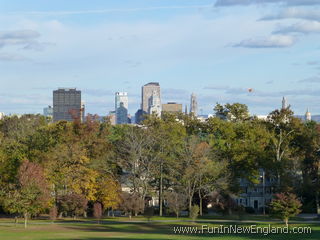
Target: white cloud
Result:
[294, 12]
[249, 2]
[113, 10]
[273, 41]
[11, 57]
[303, 27]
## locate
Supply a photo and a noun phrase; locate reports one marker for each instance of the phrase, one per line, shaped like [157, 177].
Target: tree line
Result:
[176, 162]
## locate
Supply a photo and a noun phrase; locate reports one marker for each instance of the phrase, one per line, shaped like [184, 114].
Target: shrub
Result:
[249, 210]
[194, 212]
[148, 213]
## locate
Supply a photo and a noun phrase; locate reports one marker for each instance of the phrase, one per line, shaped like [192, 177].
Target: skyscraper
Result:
[194, 105]
[121, 97]
[155, 104]
[151, 98]
[48, 111]
[121, 107]
[66, 104]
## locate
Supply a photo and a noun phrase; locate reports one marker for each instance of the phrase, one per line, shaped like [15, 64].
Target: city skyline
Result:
[217, 49]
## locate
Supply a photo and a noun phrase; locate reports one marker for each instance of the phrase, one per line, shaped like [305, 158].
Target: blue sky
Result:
[216, 49]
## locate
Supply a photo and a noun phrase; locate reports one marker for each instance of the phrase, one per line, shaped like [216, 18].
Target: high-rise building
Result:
[48, 111]
[122, 114]
[121, 97]
[66, 104]
[284, 103]
[172, 107]
[1, 115]
[155, 104]
[308, 116]
[193, 105]
[151, 98]
[121, 107]
[83, 111]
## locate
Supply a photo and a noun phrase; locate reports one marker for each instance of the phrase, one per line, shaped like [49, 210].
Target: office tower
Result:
[193, 105]
[66, 104]
[155, 104]
[186, 110]
[121, 114]
[284, 103]
[1, 115]
[121, 97]
[121, 107]
[48, 111]
[308, 116]
[151, 98]
[172, 107]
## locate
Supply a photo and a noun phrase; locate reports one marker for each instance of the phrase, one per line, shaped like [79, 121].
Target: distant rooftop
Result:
[152, 83]
[67, 89]
[121, 93]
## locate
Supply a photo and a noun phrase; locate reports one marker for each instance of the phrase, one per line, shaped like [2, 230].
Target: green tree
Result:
[233, 112]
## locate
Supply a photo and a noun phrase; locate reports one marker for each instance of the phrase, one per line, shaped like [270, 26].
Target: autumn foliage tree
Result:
[131, 203]
[72, 204]
[97, 211]
[30, 195]
[285, 205]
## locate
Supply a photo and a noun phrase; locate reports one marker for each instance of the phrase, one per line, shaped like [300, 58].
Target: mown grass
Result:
[85, 229]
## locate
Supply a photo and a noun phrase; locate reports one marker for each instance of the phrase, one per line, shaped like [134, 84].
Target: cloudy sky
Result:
[216, 49]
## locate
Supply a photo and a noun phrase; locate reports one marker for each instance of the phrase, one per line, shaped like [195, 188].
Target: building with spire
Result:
[308, 116]
[193, 105]
[284, 103]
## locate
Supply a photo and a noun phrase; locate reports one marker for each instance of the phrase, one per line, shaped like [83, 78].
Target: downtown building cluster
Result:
[67, 105]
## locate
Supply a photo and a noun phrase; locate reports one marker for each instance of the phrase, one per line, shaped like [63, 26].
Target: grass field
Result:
[116, 229]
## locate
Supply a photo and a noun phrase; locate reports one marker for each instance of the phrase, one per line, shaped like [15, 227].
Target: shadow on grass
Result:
[165, 231]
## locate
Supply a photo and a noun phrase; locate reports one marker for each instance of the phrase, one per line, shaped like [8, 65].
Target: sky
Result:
[217, 49]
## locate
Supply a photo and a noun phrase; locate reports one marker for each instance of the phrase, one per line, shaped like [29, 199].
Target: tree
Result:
[108, 192]
[30, 195]
[53, 213]
[284, 206]
[97, 211]
[176, 202]
[131, 203]
[168, 136]
[134, 153]
[284, 128]
[233, 112]
[72, 204]
[189, 179]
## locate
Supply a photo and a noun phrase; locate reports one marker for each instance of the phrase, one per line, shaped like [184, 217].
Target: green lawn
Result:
[115, 229]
